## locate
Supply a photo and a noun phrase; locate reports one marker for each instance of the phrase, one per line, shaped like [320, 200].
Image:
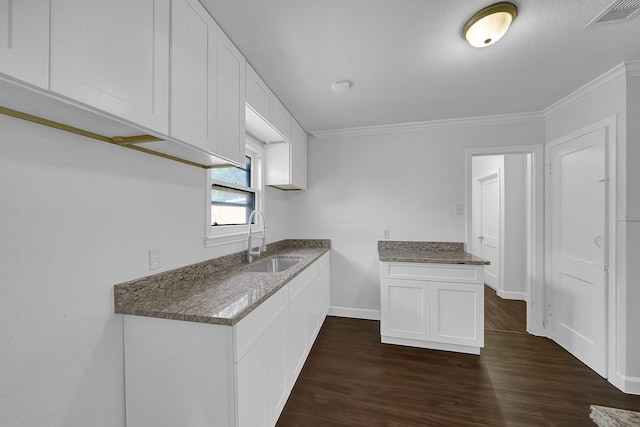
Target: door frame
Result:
[535, 239]
[610, 126]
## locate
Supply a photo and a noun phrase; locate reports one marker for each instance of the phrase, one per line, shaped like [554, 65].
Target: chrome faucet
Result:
[263, 246]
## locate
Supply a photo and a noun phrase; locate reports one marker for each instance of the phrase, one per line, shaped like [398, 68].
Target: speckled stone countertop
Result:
[427, 252]
[612, 417]
[218, 291]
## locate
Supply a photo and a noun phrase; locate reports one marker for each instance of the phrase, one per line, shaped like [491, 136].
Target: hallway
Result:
[350, 379]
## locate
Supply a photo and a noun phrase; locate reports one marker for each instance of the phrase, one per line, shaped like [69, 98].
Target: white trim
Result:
[629, 385]
[535, 283]
[432, 345]
[633, 68]
[355, 313]
[520, 296]
[613, 323]
[433, 124]
[617, 74]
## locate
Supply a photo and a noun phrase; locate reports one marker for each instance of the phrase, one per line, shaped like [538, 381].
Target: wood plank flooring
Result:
[351, 379]
[502, 314]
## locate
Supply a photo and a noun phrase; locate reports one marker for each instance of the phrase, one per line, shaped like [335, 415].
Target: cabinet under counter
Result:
[231, 362]
[431, 296]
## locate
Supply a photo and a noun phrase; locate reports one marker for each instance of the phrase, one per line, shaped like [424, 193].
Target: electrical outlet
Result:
[154, 259]
[386, 234]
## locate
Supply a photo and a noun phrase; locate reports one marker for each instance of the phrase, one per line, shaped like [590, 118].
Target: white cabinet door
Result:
[457, 313]
[193, 75]
[231, 94]
[298, 156]
[405, 308]
[250, 389]
[280, 118]
[258, 94]
[114, 56]
[275, 370]
[312, 320]
[297, 345]
[24, 40]
[262, 386]
[325, 291]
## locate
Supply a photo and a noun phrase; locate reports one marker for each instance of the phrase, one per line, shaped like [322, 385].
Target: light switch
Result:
[459, 210]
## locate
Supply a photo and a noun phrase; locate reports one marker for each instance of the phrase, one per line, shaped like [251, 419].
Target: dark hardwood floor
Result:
[502, 314]
[351, 379]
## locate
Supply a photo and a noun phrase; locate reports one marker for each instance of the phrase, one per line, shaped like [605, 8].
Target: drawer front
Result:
[299, 283]
[436, 272]
[249, 330]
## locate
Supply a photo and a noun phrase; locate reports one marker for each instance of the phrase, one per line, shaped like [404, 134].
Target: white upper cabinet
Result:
[259, 96]
[230, 96]
[24, 40]
[113, 55]
[298, 156]
[193, 75]
[267, 118]
[280, 118]
[286, 162]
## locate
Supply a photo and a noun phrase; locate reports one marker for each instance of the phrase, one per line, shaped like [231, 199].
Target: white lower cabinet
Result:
[261, 377]
[437, 306]
[194, 374]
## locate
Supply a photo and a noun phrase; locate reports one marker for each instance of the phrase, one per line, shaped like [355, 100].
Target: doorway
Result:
[528, 239]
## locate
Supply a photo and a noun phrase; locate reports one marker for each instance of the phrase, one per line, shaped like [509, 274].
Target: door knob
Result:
[480, 237]
[597, 240]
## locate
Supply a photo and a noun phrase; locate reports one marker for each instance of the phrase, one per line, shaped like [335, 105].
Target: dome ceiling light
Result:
[341, 86]
[488, 25]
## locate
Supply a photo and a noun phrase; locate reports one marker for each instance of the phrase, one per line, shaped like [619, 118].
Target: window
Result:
[232, 197]
[233, 192]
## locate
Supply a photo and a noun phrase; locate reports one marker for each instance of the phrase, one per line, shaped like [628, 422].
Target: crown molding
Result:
[618, 73]
[434, 124]
[633, 68]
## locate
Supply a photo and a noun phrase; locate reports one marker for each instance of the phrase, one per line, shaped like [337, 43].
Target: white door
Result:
[490, 228]
[577, 201]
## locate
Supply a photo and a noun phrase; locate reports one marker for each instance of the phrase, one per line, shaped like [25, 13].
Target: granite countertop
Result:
[427, 252]
[218, 291]
[612, 417]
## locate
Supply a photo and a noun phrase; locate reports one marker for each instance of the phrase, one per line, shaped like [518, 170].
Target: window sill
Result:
[221, 238]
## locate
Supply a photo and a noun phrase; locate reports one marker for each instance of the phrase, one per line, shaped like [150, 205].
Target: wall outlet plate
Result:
[154, 259]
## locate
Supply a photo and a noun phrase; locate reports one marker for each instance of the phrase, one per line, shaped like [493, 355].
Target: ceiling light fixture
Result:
[341, 86]
[488, 25]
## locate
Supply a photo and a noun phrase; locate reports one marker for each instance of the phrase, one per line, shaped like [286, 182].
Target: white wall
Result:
[406, 182]
[78, 216]
[514, 283]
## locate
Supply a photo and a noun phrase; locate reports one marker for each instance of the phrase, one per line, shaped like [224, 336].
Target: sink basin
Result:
[273, 265]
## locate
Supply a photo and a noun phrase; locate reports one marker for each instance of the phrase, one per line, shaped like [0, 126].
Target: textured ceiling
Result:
[408, 61]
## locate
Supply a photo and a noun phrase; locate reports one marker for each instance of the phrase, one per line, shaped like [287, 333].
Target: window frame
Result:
[225, 234]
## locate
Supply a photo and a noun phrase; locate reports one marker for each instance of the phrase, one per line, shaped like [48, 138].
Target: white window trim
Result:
[227, 234]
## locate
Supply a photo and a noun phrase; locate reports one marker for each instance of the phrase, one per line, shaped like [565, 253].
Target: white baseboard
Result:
[522, 296]
[629, 385]
[356, 313]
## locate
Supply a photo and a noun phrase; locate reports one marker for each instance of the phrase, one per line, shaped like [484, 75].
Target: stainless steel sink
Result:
[273, 265]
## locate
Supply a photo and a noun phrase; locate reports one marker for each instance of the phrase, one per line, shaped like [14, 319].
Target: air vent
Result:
[620, 11]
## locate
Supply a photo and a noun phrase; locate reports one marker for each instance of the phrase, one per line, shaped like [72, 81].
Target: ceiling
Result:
[409, 63]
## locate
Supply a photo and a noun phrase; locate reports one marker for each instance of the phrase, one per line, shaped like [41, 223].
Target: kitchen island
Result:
[431, 296]
[218, 344]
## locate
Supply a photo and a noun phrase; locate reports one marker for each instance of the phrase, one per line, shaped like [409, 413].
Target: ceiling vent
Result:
[619, 11]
